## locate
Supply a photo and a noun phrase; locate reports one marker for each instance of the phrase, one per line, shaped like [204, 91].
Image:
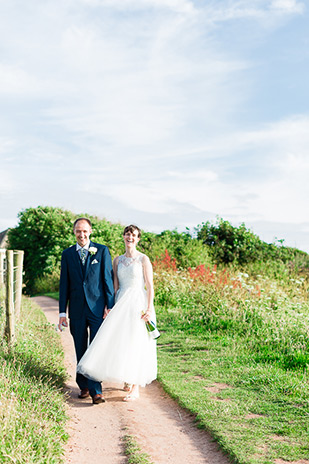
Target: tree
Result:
[231, 244]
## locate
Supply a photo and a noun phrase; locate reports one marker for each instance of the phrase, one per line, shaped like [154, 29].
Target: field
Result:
[234, 351]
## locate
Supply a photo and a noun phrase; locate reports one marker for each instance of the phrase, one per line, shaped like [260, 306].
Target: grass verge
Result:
[54, 295]
[32, 407]
[257, 412]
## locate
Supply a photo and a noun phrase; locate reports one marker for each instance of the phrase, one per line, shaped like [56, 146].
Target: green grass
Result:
[32, 406]
[54, 295]
[133, 451]
[256, 409]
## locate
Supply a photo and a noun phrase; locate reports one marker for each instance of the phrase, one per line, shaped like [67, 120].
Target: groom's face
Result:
[82, 232]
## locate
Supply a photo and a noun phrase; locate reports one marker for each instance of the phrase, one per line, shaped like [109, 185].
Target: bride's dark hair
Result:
[131, 228]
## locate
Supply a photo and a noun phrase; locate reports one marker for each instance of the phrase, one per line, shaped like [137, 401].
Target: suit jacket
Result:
[92, 282]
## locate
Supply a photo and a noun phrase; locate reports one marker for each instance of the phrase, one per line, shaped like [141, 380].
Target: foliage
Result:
[186, 250]
[268, 315]
[240, 246]
[32, 406]
[44, 232]
[234, 350]
[47, 283]
[230, 243]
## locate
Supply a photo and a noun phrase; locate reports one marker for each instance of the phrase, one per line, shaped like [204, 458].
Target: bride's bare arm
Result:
[148, 276]
[115, 267]
[116, 283]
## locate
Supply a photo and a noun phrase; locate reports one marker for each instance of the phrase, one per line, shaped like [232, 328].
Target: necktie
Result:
[83, 255]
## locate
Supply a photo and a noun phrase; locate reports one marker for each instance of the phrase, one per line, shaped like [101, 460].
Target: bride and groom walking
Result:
[95, 289]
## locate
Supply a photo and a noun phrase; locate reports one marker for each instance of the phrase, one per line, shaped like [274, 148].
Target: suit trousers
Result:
[83, 331]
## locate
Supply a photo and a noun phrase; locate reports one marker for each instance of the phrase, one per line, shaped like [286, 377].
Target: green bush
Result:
[44, 232]
[187, 251]
[240, 246]
[47, 283]
[229, 243]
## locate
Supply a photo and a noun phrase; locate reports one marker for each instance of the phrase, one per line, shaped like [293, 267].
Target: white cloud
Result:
[262, 11]
[180, 6]
[287, 6]
[208, 176]
[271, 195]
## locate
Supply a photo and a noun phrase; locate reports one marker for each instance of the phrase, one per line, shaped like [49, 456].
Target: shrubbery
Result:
[44, 232]
[240, 246]
[186, 250]
[229, 244]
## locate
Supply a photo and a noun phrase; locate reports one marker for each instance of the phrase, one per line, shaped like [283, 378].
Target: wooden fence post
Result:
[10, 319]
[19, 281]
[2, 256]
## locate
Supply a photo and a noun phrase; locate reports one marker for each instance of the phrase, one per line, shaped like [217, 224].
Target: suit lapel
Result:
[76, 260]
[88, 260]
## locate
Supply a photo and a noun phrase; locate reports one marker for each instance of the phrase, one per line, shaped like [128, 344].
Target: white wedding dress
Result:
[122, 350]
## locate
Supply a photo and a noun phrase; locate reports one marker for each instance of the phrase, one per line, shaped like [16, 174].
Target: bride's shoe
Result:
[131, 397]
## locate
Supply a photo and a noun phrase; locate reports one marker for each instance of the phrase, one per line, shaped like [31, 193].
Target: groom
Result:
[86, 285]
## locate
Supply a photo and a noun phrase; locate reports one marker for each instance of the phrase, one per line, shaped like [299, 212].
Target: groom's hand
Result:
[62, 323]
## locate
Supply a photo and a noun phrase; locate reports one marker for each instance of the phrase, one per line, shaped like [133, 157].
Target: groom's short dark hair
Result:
[82, 219]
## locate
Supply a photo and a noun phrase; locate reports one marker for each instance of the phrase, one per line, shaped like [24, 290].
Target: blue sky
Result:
[165, 113]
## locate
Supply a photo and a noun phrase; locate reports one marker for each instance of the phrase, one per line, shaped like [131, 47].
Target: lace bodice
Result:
[130, 272]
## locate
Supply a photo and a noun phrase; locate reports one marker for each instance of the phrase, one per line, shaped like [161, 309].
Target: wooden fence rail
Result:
[11, 273]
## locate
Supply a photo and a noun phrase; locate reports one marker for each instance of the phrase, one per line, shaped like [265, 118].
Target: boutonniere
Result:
[92, 250]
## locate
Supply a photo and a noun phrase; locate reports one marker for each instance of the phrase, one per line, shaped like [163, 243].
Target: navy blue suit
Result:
[86, 289]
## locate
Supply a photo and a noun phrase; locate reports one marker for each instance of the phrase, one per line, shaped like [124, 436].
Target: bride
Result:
[122, 350]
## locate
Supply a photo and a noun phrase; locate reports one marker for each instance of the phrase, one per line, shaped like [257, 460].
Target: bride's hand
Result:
[146, 315]
[106, 311]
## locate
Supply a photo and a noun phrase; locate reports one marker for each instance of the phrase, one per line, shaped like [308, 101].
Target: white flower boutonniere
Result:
[92, 250]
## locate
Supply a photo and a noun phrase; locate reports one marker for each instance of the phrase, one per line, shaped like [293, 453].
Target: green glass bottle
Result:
[152, 330]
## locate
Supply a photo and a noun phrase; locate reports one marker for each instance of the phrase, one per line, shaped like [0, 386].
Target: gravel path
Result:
[162, 429]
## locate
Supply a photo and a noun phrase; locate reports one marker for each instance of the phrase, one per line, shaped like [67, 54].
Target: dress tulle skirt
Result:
[122, 350]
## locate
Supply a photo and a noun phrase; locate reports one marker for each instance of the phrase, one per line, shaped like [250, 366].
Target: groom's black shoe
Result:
[97, 399]
[84, 393]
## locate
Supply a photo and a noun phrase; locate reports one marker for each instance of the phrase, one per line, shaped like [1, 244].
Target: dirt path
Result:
[163, 430]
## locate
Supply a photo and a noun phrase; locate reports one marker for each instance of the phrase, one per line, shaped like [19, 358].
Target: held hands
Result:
[106, 312]
[62, 323]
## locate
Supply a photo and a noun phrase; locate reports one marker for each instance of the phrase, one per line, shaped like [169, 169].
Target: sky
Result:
[162, 113]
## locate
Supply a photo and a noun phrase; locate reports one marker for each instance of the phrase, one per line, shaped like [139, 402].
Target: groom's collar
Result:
[86, 247]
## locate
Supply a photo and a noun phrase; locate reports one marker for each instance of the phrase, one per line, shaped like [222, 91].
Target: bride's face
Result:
[131, 238]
